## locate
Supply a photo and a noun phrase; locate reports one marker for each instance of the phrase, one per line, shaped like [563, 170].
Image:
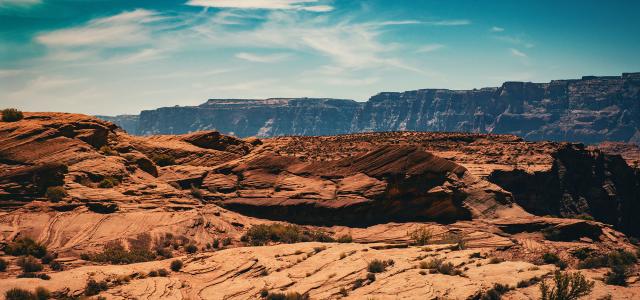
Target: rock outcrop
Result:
[588, 110]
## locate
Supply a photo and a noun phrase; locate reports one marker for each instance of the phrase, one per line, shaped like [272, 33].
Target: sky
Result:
[124, 56]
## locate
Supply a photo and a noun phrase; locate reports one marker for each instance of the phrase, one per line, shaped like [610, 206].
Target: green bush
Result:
[262, 234]
[421, 236]
[29, 264]
[108, 182]
[26, 246]
[163, 160]
[48, 258]
[611, 259]
[11, 115]
[176, 265]
[55, 193]
[163, 273]
[56, 266]
[95, 287]
[216, 244]
[3, 265]
[495, 293]
[567, 286]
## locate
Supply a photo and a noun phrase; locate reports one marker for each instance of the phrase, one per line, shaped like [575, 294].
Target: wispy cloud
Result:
[429, 48]
[448, 23]
[269, 58]
[18, 3]
[307, 5]
[517, 53]
[515, 40]
[496, 29]
[124, 29]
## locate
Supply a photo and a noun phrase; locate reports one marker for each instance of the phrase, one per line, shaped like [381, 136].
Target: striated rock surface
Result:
[588, 110]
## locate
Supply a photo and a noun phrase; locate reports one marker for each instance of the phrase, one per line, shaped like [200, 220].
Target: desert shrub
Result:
[153, 273]
[421, 236]
[226, 241]
[191, 248]
[288, 296]
[611, 259]
[163, 160]
[431, 264]
[567, 286]
[371, 277]
[29, 264]
[215, 244]
[344, 292]
[262, 234]
[552, 258]
[196, 192]
[582, 253]
[42, 293]
[495, 293]
[48, 258]
[526, 283]
[55, 265]
[358, 283]
[475, 255]
[19, 294]
[106, 150]
[11, 115]
[448, 269]
[94, 287]
[164, 252]
[495, 260]
[264, 293]
[376, 266]
[115, 253]
[345, 239]
[176, 265]
[617, 276]
[26, 246]
[163, 273]
[55, 193]
[108, 182]
[34, 275]
[3, 265]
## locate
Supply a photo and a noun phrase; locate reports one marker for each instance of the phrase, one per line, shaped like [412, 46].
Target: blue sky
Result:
[114, 57]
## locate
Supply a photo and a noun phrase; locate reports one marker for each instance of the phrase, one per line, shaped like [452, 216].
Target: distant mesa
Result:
[590, 110]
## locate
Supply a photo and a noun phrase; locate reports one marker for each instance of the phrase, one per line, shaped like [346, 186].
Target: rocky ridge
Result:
[588, 110]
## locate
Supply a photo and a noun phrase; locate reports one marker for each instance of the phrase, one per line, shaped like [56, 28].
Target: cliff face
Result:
[589, 110]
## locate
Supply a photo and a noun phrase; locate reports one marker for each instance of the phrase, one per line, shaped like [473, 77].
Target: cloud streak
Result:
[271, 58]
[264, 4]
[517, 53]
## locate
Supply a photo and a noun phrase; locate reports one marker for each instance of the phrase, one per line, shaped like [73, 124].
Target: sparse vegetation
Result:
[3, 265]
[26, 246]
[176, 265]
[526, 283]
[371, 277]
[617, 276]
[163, 273]
[48, 258]
[163, 160]
[94, 287]
[55, 193]
[11, 115]
[106, 150]
[345, 239]
[29, 264]
[436, 265]
[421, 236]
[22, 294]
[191, 248]
[287, 296]
[611, 259]
[56, 266]
[552, 258]
[376, 266]
[567, 286]
[495, 293]
[114, 252]
[262, 234]
[108, 182]
[496, 260]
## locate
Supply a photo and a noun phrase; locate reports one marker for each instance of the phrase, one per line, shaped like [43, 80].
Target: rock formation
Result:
[588, 110]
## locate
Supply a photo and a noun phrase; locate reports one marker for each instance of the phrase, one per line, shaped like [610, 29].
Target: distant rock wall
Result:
[589, 110]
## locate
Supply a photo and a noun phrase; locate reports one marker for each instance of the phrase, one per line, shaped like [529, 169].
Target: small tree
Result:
[11, 115]
[568, 286]
[176, 265]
